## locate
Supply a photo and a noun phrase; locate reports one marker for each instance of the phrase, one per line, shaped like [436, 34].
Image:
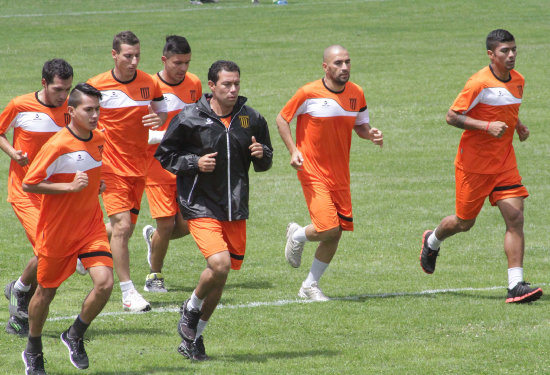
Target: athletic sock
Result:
[34, 344]
[515, 276]
[433, 242]
[78, 328]
[315, 273]
[300, 235]
[194, 302]
[201, 325]
[126, 286]
[20, 286]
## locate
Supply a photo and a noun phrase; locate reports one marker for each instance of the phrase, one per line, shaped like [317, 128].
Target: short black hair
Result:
[496, 37]
[75, 97]
[56, 67]
[124, 37]
[176, 45]
[218, 66]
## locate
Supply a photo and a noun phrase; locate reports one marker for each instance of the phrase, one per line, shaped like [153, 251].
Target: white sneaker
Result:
[133, 301]
[148, 231]
[80, 267]
[312, 293]
[293, 249]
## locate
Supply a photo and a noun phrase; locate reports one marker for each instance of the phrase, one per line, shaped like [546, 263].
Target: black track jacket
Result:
[197, 131]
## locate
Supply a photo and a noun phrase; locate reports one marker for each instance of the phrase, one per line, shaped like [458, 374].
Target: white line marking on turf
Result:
[294, 301]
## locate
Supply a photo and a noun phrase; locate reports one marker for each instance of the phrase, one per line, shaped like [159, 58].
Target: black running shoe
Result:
[187, 326]
[19, 301]
[77, 353]
[17, 326]
[34, 363]
[193, 350]
[427, 255]
[523, 293]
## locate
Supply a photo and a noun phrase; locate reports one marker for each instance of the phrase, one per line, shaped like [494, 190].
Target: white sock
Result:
[126, 286]
[20, 286]
[300, 235]
[194, 302]
[433, 242]
[515, 276]
[315, 273]
[201, 325]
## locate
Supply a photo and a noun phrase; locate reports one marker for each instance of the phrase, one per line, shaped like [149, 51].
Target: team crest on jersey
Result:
[144, 92]
[209, 121]
[67, 118]
[352, 103]
[244, 121]
[37, 117]
[193, 94]
[100, 149]
[520, 90]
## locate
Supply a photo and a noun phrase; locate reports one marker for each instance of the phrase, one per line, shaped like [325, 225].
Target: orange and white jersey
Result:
[68, 217]
[123, 105]
[33, 123]
[323, 130]
[176, 97]
[487, 98]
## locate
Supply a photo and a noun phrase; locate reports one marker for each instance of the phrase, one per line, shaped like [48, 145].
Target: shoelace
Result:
[36, 360]
[77, 344]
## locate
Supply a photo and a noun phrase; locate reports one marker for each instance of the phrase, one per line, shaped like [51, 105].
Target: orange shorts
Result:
[214, 236]
[123, 193]
[27, 211]
[52, 271]
[473, 188]
[328, 209]
[162, 200]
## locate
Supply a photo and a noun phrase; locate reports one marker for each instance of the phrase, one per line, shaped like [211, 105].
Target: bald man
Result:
[327, 111]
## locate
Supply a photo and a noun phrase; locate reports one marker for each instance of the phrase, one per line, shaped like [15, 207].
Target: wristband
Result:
[487, 128]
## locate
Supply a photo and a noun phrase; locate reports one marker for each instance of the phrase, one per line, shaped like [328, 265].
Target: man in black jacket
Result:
[210, 147]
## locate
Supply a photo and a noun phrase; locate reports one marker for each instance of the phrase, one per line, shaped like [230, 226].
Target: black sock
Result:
[34, 345]
[78, 328]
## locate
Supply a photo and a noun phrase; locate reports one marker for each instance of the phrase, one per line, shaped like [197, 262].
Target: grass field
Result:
[387, 317]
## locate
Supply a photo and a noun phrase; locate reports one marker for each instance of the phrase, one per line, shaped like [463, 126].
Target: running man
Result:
[34, 117]
[180, 88]
[328, 110]
[210, 147]
[67, 170]
[485, 164]
[132, 102]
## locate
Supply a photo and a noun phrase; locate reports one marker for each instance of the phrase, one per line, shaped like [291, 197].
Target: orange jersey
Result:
[487, 98]
[33, 124]
[67, 219]
[323, 129]
[123, 106]
[176, 97]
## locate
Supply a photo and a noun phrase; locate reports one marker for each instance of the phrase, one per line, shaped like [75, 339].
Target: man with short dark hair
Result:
[210, 147]
[485, 164]
[34, 117]
[180, 88]
[132, 102]
[67, 171]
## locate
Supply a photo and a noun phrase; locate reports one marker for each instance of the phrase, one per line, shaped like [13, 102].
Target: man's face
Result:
[337, 67]
[175, 67]
[56, 93]
[86, 114]
[504, 56]
[127, 60]
[226, 90]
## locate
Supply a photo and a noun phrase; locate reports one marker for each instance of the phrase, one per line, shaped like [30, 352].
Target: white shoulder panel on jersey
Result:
[362, 117]
[119, 99]
[72, 162]
[36, 122]
[325, 107]
[495, 96]
[173, 102]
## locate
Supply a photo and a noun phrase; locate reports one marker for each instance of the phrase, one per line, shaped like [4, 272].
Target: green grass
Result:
[412, 57]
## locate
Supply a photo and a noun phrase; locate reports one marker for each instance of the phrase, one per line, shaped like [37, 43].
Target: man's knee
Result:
[333, 234]
[465, 225]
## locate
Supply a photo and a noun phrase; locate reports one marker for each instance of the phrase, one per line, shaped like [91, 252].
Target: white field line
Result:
[172, 10]
[161, 310]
